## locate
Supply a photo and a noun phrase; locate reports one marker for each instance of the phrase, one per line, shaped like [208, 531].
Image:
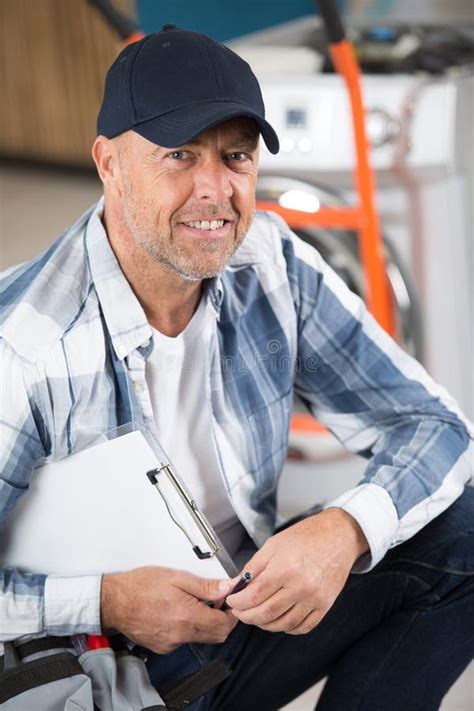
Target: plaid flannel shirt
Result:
[73, 346]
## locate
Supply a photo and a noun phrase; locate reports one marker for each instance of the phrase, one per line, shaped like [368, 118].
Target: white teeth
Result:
[206, 224]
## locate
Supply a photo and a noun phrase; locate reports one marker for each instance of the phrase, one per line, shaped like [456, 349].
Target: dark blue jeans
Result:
[396, 638]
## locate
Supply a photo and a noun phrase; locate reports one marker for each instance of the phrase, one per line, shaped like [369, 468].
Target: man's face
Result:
[190, 206]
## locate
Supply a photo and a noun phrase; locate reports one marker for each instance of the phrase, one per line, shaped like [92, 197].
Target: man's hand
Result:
[299, 572]
[162, 608]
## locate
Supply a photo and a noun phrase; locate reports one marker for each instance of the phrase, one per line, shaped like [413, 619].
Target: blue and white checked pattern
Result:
[73, 345]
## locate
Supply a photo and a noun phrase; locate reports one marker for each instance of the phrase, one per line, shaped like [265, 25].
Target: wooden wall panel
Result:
[53, 58]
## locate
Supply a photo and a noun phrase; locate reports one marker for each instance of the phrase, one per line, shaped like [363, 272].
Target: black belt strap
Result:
[40, 671]
[184, 692]
[43, 644]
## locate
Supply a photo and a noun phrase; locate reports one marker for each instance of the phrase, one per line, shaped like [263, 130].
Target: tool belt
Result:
[48, 673]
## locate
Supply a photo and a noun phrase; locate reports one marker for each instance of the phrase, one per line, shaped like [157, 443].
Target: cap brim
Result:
[186, 123]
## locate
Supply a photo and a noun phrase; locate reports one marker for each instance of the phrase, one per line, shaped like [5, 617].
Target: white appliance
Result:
[420, 127]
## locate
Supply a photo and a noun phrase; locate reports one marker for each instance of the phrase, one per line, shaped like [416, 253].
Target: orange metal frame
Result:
[362, 218]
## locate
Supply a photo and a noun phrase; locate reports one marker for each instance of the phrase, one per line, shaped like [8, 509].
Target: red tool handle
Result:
[97, 641]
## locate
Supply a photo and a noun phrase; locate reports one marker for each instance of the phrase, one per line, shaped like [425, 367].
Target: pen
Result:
[243, 582]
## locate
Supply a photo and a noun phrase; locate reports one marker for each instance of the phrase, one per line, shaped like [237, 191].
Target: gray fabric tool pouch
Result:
[55, 679]
[46, 674]
[120, 682]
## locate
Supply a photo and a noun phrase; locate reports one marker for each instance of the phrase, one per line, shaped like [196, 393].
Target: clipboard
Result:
[111, 507]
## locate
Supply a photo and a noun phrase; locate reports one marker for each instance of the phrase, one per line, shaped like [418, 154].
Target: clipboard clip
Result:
[191, 506]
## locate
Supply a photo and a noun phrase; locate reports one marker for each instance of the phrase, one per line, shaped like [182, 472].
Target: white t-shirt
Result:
[175, 373]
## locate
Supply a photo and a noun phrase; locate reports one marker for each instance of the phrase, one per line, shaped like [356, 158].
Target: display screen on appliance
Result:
[296, 117]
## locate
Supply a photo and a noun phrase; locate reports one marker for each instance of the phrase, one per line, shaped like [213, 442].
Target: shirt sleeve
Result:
[380, 403]
[33, 603]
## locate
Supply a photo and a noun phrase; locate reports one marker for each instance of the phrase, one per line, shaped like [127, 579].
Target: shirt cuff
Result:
[374, 511]
[72, 605]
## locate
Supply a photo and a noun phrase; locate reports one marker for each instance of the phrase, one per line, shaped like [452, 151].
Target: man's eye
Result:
[238, 156]
[178, 155]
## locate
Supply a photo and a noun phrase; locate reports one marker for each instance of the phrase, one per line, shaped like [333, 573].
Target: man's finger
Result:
[291, 620]
[209, 618]
[199, 615]
[259, 561]
[260, 589]
[309, 622]
[205, 588]
[269, 611]
[232, 619]
[209, 635]
[266, 581]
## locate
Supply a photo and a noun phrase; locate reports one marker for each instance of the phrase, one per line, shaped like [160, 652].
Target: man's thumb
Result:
[215, 589]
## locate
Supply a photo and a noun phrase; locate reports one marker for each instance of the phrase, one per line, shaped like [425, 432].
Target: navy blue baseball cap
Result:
[172, 85]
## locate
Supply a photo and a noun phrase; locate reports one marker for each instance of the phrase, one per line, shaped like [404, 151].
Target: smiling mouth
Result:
[206, 225]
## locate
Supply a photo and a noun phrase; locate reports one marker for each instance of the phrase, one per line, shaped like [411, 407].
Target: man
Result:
[172, 305]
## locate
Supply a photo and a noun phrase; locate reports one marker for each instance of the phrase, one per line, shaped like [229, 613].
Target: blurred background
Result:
[417, 61]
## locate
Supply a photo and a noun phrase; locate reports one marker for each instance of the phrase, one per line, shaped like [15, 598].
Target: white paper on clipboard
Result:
[98, 512]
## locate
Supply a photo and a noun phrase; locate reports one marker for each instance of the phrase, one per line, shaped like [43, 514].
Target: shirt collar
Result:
[123, 313]
[214, 291]
[125, 318]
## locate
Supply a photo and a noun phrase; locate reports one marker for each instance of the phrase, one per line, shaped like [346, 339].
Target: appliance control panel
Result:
[312, 116]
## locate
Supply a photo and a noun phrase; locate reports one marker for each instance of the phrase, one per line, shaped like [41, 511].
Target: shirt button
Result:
[139, 386]
[146, 343]
[121, 352]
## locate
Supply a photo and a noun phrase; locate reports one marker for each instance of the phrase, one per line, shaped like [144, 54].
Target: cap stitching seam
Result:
[132, 65]
[203, 48]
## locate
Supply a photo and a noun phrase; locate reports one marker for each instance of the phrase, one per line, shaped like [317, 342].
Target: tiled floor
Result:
[36, 205]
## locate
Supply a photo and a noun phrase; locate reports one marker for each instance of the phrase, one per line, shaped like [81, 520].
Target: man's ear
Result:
[105, 157]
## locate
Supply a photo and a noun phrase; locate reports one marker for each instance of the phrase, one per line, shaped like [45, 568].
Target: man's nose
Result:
[213, 181]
